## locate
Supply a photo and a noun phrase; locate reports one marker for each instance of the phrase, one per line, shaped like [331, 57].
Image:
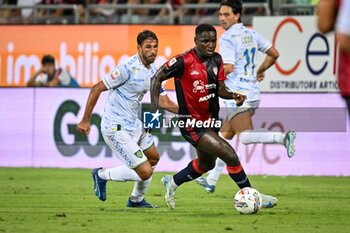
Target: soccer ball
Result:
[248, 201]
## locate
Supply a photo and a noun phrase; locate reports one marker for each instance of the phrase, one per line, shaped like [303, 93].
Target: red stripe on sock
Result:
[234, 169]
[195, 165]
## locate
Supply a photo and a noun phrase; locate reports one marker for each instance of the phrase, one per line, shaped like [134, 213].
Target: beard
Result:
[149, 59]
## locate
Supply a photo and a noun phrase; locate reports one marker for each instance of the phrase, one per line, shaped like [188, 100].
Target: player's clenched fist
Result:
[239, 98]
[83, 127]
[260, 76]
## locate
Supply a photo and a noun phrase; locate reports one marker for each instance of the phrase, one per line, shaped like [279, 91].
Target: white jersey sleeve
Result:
[343, 20]
[263, 44]
[117, 77]
[226, 47]
[239, 46]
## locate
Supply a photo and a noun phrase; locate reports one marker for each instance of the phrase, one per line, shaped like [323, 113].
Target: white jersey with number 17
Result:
[239, 46]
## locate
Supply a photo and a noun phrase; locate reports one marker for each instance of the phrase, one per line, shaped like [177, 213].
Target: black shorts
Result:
[192, 135]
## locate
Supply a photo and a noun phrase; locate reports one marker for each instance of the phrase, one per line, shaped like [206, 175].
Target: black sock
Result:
[238, 175]
[191, 172]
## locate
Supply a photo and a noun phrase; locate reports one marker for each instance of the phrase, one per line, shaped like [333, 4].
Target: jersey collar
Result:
[237, 25]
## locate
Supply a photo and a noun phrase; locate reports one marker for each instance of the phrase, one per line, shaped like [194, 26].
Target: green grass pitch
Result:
[62, 200]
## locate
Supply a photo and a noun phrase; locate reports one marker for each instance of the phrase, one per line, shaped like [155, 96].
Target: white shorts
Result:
[129, 146]
[233, 109]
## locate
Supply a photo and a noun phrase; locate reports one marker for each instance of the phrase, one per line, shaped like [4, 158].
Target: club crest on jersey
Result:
[115, 74]
[198, 86]
[138, 154]
[215, 70]
[172, 62]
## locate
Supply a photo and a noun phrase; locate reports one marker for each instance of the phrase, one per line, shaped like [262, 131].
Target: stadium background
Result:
[34, 134]
[37, 127]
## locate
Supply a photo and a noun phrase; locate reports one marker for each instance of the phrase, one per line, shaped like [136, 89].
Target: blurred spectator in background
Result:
[301, 7]
[51, 15]
[62, 15]
[53, 77]
[209, 15]
[156, 16]
[175, 4]
[153, 15]
[104, 15]
[27, 13]
[255, 11]
[335, 14]
[154, 12]
[137, 11]
[8, 15]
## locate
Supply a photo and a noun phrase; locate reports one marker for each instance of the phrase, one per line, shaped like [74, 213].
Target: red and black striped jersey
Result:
[196, 83]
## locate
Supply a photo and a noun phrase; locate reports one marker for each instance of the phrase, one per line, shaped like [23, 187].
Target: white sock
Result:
[173, 182]
[121, 173]
[214, 174]
[261, 136]
[140, 188]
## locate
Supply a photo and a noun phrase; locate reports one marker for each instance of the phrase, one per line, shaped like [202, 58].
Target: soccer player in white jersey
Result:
[238, 48]
[121, 128]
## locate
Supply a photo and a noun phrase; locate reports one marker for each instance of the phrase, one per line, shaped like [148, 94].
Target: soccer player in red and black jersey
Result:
[199, 81]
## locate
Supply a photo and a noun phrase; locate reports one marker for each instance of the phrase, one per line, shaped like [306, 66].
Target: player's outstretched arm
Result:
[224, 93]
[327, 14]
[271, 56]
[84, 125]
[156, 82]
[166, 103]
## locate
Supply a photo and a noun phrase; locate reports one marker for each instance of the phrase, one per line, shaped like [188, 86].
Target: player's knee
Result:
[145, 175]
[230, 157]
[154, 161]
[226, 135]
[145, 171]
[152, 156]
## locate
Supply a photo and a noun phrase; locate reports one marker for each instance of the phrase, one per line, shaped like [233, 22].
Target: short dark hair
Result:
[144, 35]
[236, 5]
[204, 28]
[48, 59]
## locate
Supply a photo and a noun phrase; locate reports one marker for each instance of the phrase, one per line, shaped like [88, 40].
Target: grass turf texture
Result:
[62, 200]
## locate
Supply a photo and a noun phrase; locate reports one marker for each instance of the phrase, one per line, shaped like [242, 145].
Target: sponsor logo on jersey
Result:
[204, 98]
[115, 74]
[210, 86]
[195, 72]
[135, 69]
[172, 62]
